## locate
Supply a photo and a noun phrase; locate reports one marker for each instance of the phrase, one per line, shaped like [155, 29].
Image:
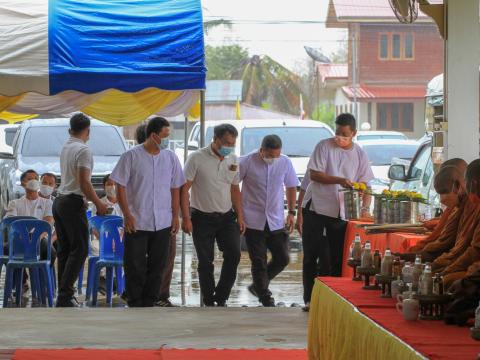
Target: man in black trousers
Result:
[69, 208]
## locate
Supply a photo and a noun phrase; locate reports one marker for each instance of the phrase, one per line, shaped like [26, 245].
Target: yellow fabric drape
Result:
[7, 101]
[337, 330]
[13, 118]
[194, 112]
[120, 108]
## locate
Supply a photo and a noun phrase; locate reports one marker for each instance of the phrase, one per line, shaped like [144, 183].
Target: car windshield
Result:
[380, 137]
[297, 141]
[382, 154]
[49, 140]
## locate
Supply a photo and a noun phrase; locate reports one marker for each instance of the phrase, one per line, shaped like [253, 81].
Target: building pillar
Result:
[462, 60]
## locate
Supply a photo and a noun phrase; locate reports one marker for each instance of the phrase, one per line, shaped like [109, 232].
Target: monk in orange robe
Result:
[462, 259]
[450, 185]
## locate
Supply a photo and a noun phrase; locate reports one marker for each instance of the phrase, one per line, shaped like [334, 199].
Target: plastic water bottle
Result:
[407, 273]
[357, 249]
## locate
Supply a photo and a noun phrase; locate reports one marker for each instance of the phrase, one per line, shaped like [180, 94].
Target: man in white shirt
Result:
[334, 165]
[69, 208]
[148, 178]
[31, 204]
[48, 186]
[216, 212]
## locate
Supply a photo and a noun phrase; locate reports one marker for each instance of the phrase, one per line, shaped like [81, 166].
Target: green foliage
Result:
[224, 62]
[325, 113]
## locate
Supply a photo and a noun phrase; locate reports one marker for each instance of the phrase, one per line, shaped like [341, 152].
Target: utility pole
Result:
[354, 74]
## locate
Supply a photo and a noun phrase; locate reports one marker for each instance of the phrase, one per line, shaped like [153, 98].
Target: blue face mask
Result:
[225, 150]
[163, 144]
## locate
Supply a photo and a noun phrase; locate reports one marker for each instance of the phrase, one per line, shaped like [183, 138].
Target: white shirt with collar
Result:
[39, 208]
[212, 179]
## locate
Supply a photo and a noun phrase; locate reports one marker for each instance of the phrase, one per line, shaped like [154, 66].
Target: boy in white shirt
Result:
[31, 204]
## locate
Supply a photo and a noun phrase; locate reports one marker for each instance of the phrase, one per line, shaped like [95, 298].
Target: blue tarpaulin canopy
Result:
[117, 60]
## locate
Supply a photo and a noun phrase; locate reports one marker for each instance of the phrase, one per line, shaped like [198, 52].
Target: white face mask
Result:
[269, 161]
[33, 185]
[46, 190]
[111, 191]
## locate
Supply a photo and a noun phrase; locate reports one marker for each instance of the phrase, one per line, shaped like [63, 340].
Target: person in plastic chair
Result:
[48, 185]
[31, 204]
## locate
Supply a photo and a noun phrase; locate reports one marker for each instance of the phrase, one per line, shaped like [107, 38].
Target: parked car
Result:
[7, 134]
[382, 153]
[37, 145]
[379, 135]
[419, 176]
[299, 137]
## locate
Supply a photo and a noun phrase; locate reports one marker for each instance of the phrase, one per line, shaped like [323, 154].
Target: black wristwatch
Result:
[292, 212]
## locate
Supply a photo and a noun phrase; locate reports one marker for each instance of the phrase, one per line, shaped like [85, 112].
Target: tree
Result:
[265, 80]
[224, 62]
[325, 113]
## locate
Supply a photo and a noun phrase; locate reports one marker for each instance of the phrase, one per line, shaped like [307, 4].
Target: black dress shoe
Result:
[268, 301]
[72, 303]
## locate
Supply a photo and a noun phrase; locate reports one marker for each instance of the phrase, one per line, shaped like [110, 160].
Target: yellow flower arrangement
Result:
[359, 186]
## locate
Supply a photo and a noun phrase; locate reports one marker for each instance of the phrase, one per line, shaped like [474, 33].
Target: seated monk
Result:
[432, 224]
[450, 185]
[463, 261]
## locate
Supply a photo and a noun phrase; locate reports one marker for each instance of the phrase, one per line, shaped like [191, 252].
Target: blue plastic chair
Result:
[24, 253]
[95, 224]
[111, 257]
[4, 225]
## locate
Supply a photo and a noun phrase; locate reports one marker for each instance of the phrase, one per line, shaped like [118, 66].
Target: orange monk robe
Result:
[437, 231]
[467, 228]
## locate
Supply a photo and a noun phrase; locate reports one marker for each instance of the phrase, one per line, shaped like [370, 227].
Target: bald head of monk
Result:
[460, 164]
[449, 184]
[472, 178]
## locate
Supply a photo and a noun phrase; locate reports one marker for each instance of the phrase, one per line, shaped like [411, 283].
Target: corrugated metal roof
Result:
[365, 10]
[332, 71]
[223, 91]
[386, 92]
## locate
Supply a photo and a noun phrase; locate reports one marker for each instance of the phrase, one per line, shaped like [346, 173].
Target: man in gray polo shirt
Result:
[212, 174]
[69, 208]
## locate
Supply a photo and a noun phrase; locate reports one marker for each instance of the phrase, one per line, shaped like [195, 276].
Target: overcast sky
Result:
[283, 42]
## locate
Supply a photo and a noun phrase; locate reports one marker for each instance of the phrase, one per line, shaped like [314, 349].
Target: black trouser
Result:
[224, 229]
[146, 254]
[71, 225]
[167, 273]
[322, 255]
[258, 242]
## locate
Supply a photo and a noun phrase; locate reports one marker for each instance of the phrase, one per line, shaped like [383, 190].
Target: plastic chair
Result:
[95, 224]
[4, 225]
[24, 253]
[111, 257]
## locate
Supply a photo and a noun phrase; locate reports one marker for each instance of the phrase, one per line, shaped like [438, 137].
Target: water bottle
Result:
[387, 263]
[357, 249]
[407, 273]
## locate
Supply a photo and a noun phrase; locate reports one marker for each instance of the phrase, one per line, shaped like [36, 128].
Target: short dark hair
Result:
[346, 119]
[25, 173]
[141, 134]
[222, 129]
[155, 125]
[49, 174]
[79, 122]
[105, 179]
[272, 142]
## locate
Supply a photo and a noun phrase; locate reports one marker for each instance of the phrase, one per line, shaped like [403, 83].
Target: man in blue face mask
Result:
[216, 211]
[148, 178]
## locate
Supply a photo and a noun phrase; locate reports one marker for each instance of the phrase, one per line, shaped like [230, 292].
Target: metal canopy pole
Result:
[184, 236]
[202, 118]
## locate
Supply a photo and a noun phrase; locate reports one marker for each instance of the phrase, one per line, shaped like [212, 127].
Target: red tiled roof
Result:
[357, 10]
[386, 92]
[332, 71]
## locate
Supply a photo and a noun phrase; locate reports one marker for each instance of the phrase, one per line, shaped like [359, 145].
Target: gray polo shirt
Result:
[75, 154]
[212, 179]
